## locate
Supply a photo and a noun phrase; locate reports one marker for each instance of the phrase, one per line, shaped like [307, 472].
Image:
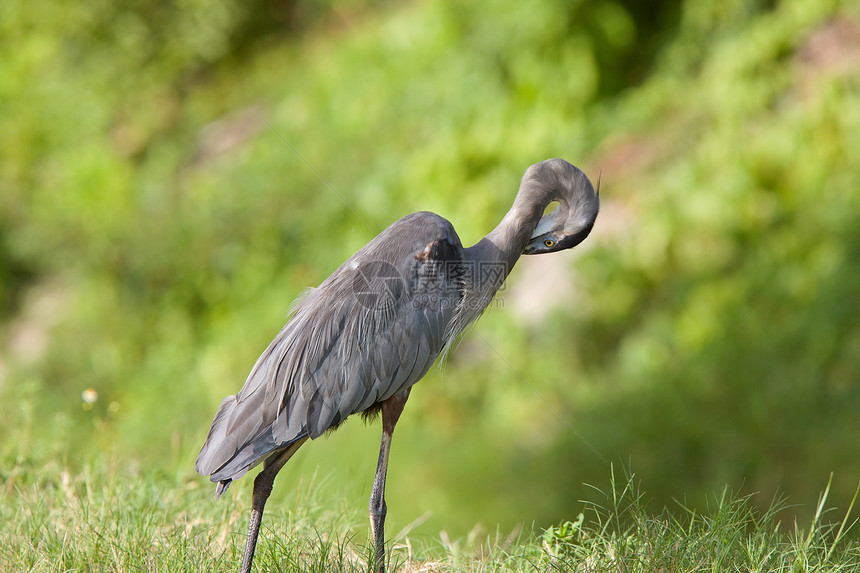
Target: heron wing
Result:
[369, 331]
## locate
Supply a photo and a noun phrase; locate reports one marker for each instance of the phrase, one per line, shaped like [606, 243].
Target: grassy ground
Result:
[114, 517]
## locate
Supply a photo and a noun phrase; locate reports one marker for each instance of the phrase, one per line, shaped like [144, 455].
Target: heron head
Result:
[577, 205]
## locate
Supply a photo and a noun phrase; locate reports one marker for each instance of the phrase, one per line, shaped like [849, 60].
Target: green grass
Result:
[113, 517]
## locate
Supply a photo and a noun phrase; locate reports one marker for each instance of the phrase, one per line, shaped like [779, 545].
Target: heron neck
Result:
[504, 244]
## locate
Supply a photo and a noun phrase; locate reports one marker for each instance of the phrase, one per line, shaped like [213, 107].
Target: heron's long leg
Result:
[391, 410]
[262, 489]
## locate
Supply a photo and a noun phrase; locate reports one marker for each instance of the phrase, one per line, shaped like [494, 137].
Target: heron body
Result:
[360, 340]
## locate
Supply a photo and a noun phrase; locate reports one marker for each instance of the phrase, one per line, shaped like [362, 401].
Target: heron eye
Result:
[549, 242]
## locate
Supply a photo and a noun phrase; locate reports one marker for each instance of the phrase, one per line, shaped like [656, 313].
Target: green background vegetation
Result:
[172, 175]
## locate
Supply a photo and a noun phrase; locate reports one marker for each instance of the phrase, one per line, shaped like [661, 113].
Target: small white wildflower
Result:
[89, 396]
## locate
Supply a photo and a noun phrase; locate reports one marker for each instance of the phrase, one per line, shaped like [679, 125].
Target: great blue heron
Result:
[360, 340]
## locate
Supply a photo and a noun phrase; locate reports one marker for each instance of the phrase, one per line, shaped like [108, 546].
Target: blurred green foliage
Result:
[173, 175]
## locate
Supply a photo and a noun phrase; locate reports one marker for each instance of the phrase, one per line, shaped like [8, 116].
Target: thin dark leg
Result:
[391, 410]
[377, 505]
[262, 489]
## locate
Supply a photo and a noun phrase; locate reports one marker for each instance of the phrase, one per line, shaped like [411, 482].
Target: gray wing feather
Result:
[369, 331]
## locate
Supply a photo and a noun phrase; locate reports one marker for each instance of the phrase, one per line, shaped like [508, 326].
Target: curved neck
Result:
[503, 245]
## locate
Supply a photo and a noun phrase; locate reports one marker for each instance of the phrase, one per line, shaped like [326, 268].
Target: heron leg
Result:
[391, 410]
[262, 489]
